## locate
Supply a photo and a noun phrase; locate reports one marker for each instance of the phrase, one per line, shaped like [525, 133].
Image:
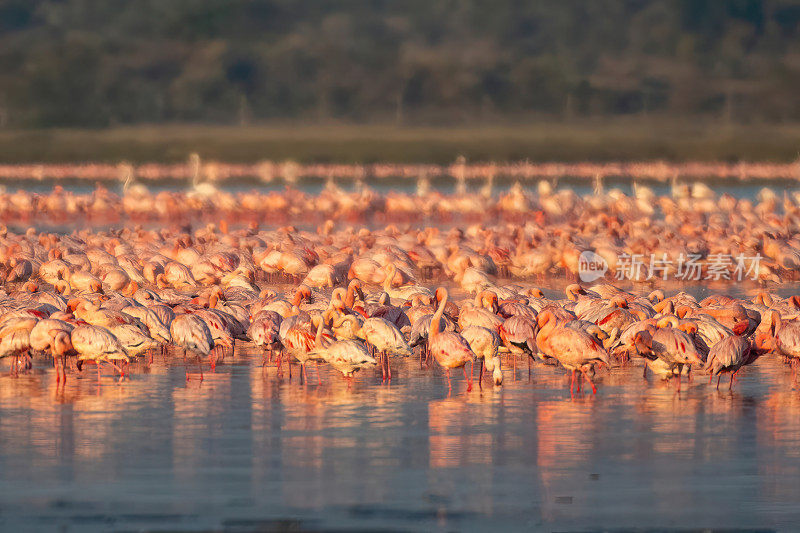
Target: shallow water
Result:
[447, 185]
[247, 449]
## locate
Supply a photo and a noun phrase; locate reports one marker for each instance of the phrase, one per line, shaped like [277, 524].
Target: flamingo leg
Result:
[388, 368]
[730, 385]
[449, 384]
[572, 384]
[719, 376]
[319, 378]
[594, 389]
[117, 369]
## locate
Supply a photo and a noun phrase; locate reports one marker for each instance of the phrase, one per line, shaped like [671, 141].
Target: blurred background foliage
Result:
[100, 63]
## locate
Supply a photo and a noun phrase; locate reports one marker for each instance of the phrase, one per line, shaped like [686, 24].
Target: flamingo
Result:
[421, 327]
[54, 336]
[728, 356]
[673, 346]
[132, 339]
[97, 344]
[574, 349]
[300, 341]
[477, 315]
[405, 292]
[787, 338]
[518, 334]
[191, 333]
[347, 356]
[15, 340]
[448, 348]
[386, 339]
[265, 331]
[484, 343]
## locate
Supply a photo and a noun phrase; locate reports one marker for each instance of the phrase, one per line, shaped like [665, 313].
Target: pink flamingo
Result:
[449, 349]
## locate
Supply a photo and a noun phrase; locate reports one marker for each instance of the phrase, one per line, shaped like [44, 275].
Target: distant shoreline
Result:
[634, 139]
[290, 172]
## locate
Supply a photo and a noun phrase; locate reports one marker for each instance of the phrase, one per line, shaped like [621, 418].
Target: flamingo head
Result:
[536, 292]
[740, 327]
[440, 294]
[30, 286]
[642, 341]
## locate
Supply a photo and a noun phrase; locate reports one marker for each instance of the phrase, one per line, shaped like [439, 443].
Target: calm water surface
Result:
[447, 185]
[247, 449]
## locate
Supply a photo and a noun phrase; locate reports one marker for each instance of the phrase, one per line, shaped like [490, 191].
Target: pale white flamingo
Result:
[484, 343]
[386, 339]
[191, 333]
[97, 344]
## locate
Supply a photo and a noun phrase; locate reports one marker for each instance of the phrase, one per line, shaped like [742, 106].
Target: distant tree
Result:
[99, 62]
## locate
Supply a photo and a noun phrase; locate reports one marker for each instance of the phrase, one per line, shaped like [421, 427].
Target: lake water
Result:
[246, 449]
[446, 185]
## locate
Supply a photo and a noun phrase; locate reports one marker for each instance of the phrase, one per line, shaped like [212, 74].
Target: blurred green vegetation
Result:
[619, 139]
[104, 63]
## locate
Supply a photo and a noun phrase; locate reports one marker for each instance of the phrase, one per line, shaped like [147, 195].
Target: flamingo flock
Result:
[467, 237]
[363, 298]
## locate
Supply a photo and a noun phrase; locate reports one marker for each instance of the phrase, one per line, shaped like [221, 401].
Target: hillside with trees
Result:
[103, 63]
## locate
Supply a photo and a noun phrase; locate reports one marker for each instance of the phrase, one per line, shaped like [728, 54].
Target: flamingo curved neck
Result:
[437, 316]
[350, 296]
[318, 338]
[391, 270]
[776, 322]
